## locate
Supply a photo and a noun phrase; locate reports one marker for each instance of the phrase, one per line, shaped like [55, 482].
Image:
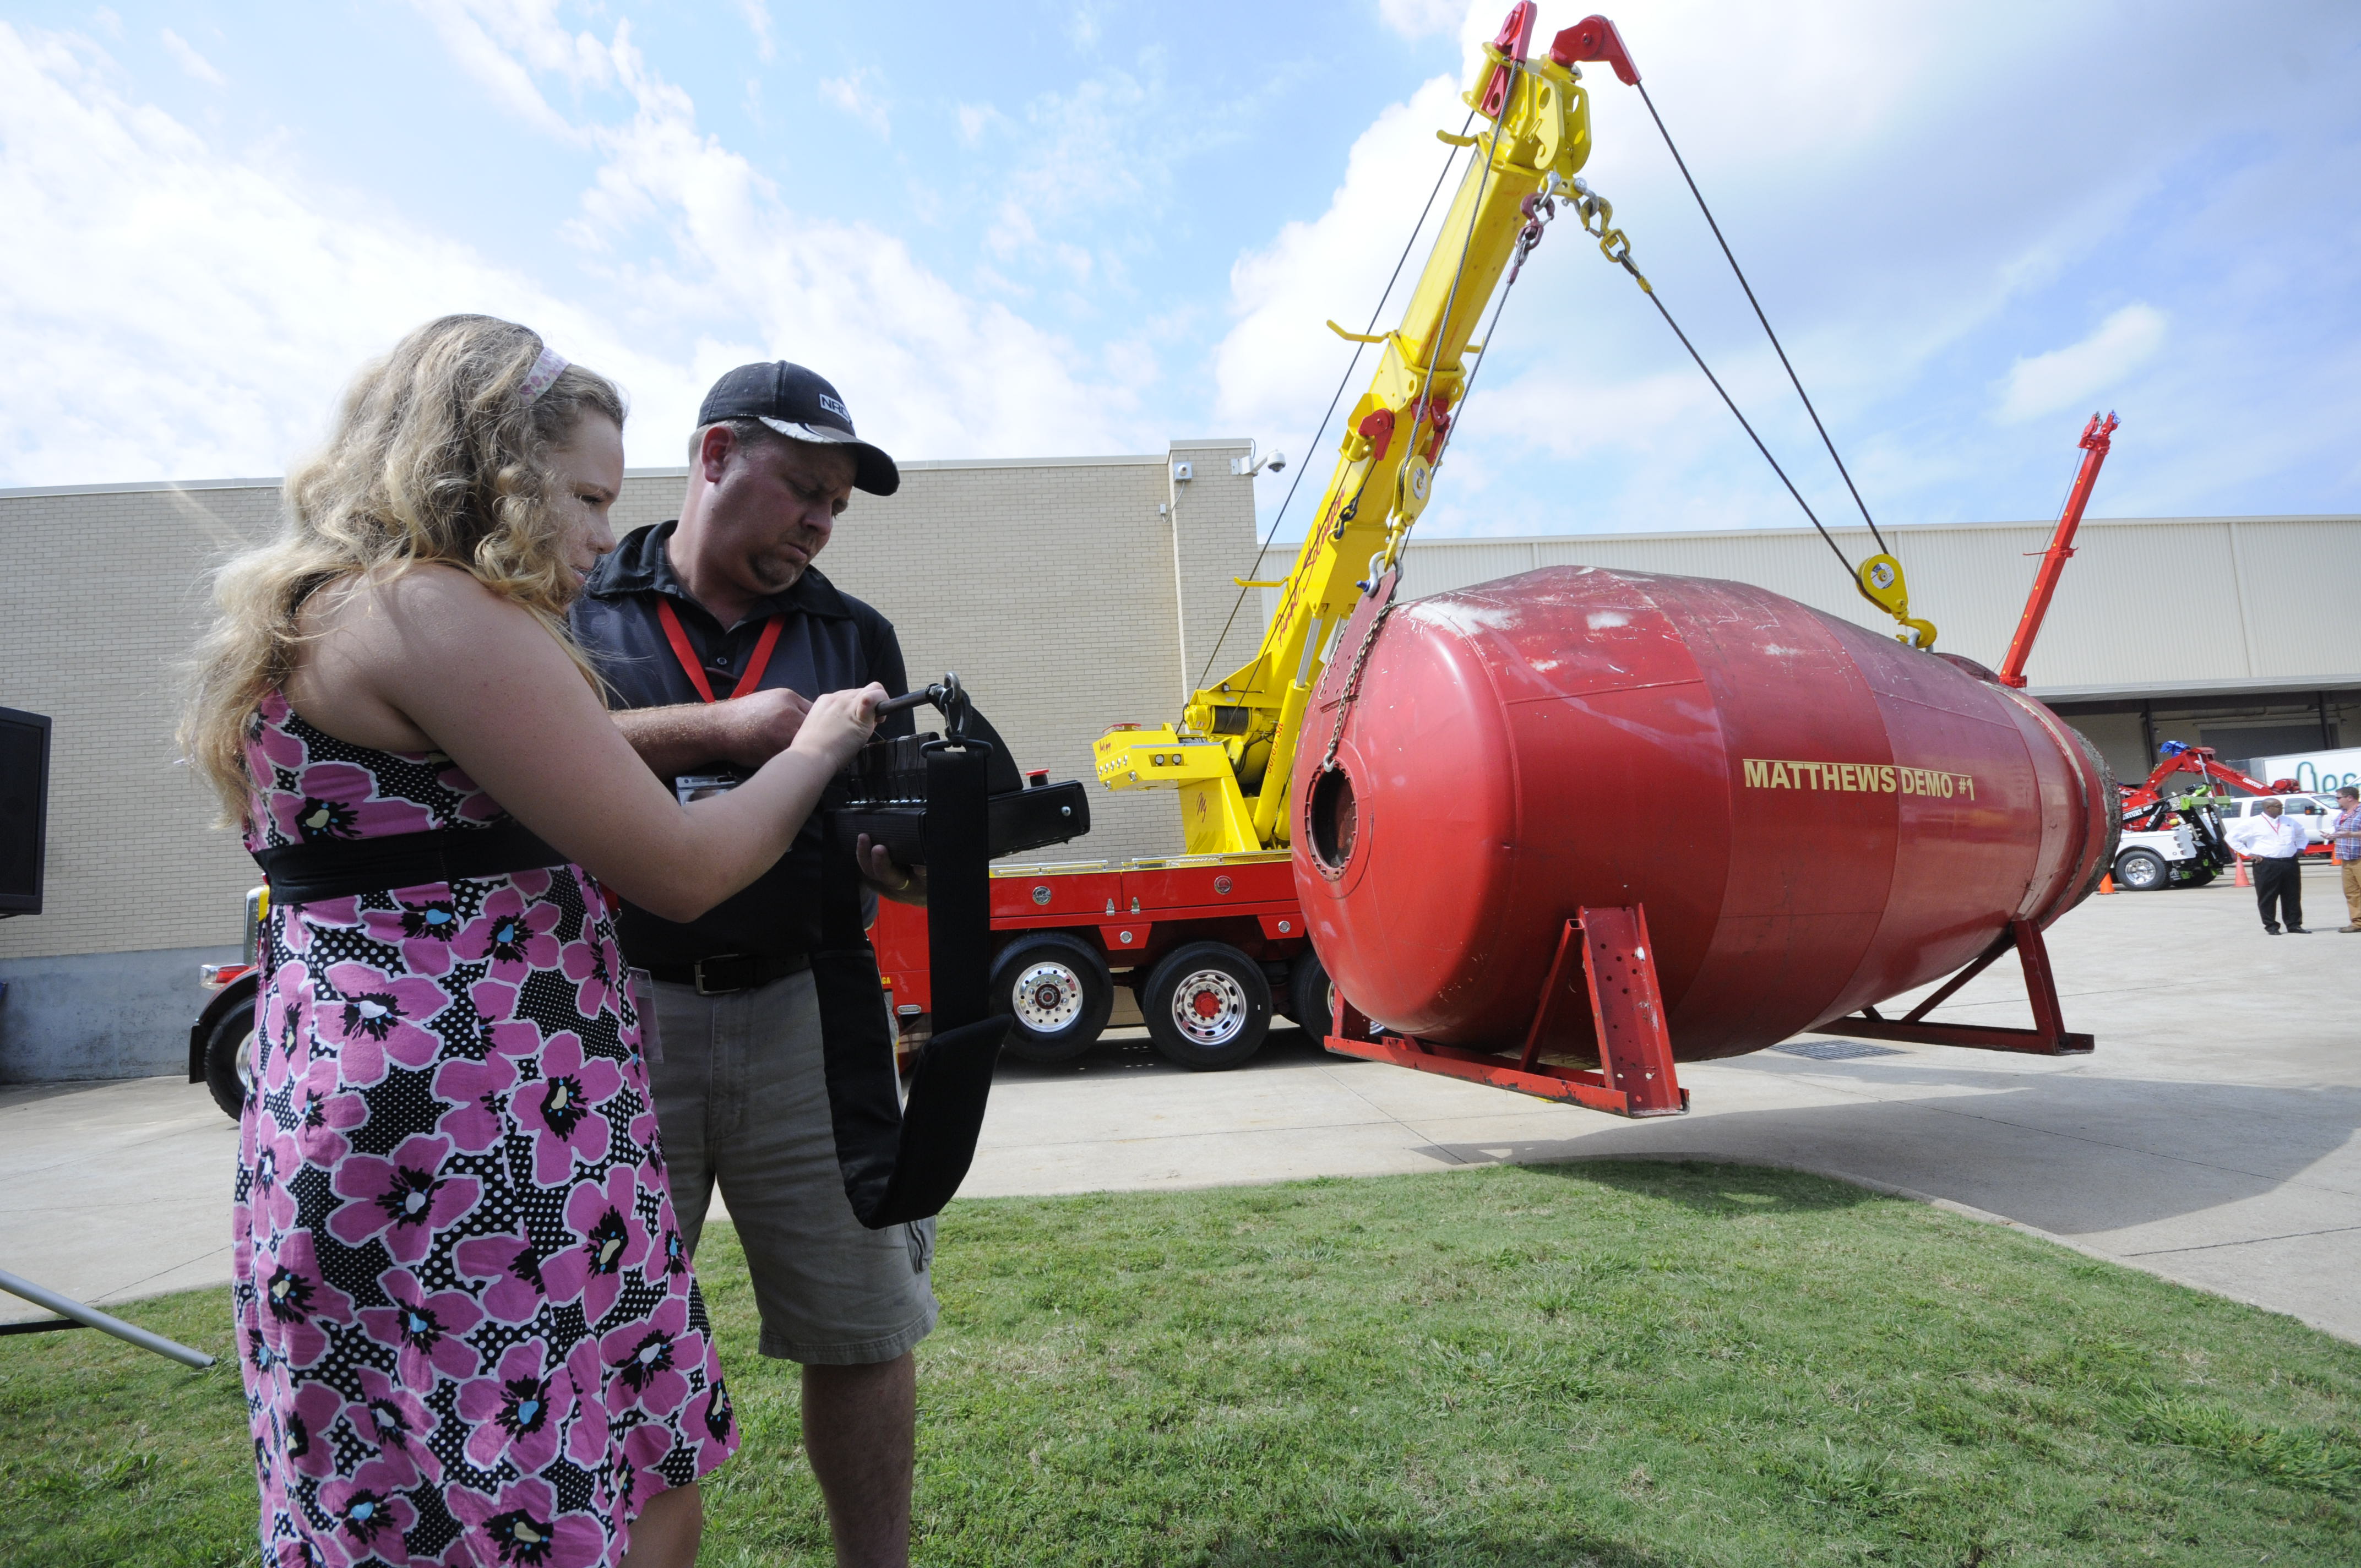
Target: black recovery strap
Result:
[903, 1160]
[341, 868]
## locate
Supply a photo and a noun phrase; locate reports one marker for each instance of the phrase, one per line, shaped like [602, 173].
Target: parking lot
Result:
[2209, 1137]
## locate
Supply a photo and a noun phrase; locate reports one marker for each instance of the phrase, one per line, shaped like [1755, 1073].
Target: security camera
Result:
[1274, 461]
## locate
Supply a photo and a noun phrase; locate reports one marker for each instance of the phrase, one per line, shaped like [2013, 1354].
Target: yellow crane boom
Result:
[1231, 754]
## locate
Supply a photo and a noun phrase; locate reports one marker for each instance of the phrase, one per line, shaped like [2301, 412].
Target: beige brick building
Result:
[1069, 594]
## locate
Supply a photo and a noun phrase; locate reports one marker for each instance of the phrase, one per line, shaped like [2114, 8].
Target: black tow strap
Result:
[903, 1161]
[341, 868]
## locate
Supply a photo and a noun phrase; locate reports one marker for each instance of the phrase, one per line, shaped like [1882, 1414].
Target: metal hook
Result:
[947, 695]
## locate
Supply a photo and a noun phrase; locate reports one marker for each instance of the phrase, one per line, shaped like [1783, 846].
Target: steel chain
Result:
[1597, 214]
[1345, 698]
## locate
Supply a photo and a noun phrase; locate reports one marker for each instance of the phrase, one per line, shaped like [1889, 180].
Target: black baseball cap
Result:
[797, 403]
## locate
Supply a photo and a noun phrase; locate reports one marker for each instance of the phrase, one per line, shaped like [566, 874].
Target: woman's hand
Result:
[839, 725]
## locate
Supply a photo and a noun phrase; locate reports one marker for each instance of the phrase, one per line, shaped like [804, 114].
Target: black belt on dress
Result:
[340, 868]
[727, 972]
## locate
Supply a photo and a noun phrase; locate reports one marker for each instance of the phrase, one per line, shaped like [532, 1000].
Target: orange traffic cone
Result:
[2107, 884]
[2244, 880]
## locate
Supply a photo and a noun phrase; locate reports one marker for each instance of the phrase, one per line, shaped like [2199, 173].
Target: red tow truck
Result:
[1211, 946]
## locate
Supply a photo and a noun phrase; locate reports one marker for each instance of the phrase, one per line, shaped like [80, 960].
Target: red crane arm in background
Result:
[2095, 440]
[2199, 760]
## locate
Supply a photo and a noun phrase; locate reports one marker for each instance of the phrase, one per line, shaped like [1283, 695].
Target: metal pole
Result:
[94, 1318]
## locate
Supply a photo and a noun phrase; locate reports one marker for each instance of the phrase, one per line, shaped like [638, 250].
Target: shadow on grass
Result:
[1715, 1187]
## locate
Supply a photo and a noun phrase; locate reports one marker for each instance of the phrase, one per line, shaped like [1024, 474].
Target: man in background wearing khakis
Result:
[2345, 833]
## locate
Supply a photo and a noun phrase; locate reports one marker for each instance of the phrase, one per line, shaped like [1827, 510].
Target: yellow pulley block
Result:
[1882, 584]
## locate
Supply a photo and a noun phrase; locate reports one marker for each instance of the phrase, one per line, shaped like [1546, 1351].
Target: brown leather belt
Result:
[725, 973]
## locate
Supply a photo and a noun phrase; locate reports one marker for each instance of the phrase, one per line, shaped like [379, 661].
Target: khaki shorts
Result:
[742, 1104]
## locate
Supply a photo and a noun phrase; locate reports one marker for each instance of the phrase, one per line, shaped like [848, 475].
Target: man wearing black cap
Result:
[715, 632]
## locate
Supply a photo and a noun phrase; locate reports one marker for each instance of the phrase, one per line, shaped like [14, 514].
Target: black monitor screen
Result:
[23, 808]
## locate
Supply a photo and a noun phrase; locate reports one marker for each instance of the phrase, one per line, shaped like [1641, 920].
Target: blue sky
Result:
[1030, 230]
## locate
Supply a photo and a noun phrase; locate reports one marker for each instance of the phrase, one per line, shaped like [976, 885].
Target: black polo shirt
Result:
[830, 640]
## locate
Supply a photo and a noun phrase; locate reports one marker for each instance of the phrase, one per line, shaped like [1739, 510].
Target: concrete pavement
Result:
[2210, 1138]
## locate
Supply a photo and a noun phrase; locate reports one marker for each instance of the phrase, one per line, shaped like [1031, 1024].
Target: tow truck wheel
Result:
[1058, 990]
[1311, 995]
[1207, 1005]
[229, 1062]
[2139, 871]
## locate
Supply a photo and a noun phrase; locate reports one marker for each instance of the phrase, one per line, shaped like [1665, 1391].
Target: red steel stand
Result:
[2047, 1037]
[1601, 996]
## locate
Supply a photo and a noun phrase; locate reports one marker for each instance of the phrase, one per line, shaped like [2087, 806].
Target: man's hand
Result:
[761, 725]
[902, 884]
[747, 731]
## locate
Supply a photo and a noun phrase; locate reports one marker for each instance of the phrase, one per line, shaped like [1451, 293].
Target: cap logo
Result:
[832, 406]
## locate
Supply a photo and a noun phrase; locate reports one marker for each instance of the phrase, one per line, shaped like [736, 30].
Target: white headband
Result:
[545, 369]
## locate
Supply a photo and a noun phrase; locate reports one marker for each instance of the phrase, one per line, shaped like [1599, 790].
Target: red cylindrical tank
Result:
[1813, 816]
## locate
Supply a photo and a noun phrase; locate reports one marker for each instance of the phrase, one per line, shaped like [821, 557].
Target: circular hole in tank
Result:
[1334, 819]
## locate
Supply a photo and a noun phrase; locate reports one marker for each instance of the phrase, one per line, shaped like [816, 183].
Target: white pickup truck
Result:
[2167, 858]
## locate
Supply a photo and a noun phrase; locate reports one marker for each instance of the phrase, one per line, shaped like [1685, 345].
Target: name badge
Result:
[693, 787]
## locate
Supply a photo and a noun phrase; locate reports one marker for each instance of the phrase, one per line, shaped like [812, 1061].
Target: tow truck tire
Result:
[1207, 1005]
[1058, 991]
[1309, 995]
[229, 1058]
[2141, 870]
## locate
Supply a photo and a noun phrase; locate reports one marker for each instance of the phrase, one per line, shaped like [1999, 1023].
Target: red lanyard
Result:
[688, 655]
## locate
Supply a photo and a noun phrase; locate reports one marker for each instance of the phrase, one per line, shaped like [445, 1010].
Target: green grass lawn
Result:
[1637, 1364]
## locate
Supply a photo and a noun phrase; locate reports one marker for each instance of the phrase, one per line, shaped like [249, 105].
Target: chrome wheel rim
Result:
[1047, 997]
[1209, 1007]
[246, 1064]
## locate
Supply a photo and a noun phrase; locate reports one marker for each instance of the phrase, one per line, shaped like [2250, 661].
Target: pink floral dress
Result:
[469, 1331]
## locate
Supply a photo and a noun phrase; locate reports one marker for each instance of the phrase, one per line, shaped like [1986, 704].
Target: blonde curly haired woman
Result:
[469, 1328]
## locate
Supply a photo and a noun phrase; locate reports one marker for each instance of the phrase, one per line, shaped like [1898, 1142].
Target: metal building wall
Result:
[2145, 605]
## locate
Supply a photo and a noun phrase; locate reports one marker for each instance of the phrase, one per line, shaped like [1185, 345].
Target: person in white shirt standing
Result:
[2275, 843]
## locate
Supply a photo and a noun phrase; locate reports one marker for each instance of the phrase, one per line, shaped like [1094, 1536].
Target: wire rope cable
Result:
[1342, 382]
[1775, 345]
[1656, 300]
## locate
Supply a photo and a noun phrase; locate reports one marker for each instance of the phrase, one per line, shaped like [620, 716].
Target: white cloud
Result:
[857, 93]
[928, 368]
[2064, 377]
[1838, 177]
[1421, 18]
[758, 22]
[1084, 23]
[227, 298]
[1276, 367]
[210, 297]
[185, 56]
[974, 119]
[487, 36]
